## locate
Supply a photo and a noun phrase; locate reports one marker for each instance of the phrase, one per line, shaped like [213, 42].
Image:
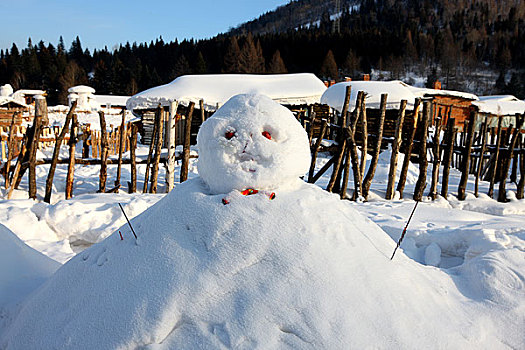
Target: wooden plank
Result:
[158, 150]
[502, 192]
[172, 144]
[104, 148]
[120, 149]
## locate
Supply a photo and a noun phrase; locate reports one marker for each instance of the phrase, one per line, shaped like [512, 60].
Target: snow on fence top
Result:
[500, 105]
[334, 96]
[216, 89]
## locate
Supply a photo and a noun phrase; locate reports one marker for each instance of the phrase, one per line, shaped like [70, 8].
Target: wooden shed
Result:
[499, 106]
[209, 92]
[448, 103]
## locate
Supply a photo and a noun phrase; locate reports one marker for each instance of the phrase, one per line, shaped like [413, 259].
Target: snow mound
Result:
[22, 270]
[287, 273]
[254, 142]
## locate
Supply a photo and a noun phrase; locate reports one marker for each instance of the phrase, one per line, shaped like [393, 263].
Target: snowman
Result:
[252, 145]
[288, 267]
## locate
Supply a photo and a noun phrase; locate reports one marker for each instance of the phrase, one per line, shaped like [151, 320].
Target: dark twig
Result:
[129, 223]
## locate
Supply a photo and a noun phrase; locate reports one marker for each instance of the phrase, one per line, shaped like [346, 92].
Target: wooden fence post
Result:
[201, 105]
[495, 160]
[133, 160]
[120, 149]
[367, 182]
[150, 151]
[158, 151]
[56, 152]
[316, 150]
[71, 165]
[448, 156]
[481, 154]
[187, 143]
[311, 126]
[103, 153]
[423, 162]
[395, 151]
[521, 183]
[437, 158]
[408, 151]
[466, 157]
[40, 115]
[364, 129]
[502, 193]
[10, 149]
[172, 144]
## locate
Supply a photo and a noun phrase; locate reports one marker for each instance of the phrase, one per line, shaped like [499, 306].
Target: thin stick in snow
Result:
[404, 230]
[129, 223]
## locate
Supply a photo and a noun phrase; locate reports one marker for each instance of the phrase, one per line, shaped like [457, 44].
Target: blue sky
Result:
[108, 23]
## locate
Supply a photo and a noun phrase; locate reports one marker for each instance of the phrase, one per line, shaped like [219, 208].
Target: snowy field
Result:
[465, 257]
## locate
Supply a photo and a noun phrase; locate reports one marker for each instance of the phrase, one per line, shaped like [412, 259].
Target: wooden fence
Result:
[488, 154]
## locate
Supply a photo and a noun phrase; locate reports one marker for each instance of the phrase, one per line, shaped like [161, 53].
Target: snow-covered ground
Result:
[466, 257]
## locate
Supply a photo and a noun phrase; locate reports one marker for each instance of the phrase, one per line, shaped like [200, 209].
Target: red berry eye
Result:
[267, 135]
[229, 135]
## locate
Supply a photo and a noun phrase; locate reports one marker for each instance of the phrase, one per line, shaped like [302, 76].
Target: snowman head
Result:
[251, 142]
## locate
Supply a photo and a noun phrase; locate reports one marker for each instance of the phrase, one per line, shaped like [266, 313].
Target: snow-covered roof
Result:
[397, 90]
[81, 89]
[6, 99]
[24, 92]
[113, 100]
[216, 89]
[425, 92]
[500, 105]
[6, 90]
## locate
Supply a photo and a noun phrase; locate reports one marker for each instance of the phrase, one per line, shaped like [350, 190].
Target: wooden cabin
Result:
[447, 103]
[499, 106]
[8, 107]
[209, 92]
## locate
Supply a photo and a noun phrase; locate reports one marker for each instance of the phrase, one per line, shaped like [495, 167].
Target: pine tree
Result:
[351, 64]
[276, 65]
[248, 61]
[232, 57]
[200, 64]
[329, 67]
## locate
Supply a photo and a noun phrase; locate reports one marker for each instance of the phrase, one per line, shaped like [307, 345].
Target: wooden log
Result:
[323, 170]
[495, 161]
[367, 182]
[56, 152]
[408, 151]
[104, 149]
[421, 182]
[10, 149]
[133, 160]
[437, 158]
[40, 111]
[172, 144]
[466, 157]
[515, 161]
[120, 149]
[335, 179]
[357, 111]
[18, 166]
[339, 158]
[158, 150]
[354, 159]
[364, 128]
[448, 156]
[201, 105]
[150, 151]
[311, 128]
[395, 151]
[521, 183]
[502, 192]
[481, 154]
[316, 150]
[71, 165]
[186, 147]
